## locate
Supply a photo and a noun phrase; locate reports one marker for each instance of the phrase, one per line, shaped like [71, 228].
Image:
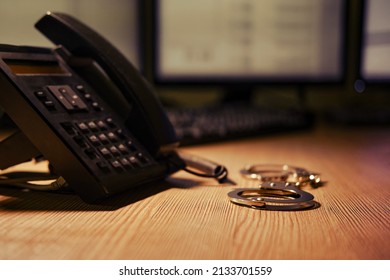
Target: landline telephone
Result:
[86, 109]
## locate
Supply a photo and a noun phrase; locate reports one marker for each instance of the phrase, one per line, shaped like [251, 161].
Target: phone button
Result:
[93, 126]
[41, 95]
[123, 149]
[103, 138]
[83, 127]
[96, 106]
[120, 134]
[142, 158]
[126, 164]
[110, 122]
[102, 125]
[80, 141]
[117, 165]
[94, 140]
[90, 152]
[134, 161]
[112, 136]
[105, 152]
[50, 105]
[68, 98]
[68, 126]
[80, 88]
[131, 146]
[88, 96]
[114, 150]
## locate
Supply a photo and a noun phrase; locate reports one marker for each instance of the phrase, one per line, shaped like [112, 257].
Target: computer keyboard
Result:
[232, 121]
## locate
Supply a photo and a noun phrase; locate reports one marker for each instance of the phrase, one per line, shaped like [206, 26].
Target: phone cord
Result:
[203, 167]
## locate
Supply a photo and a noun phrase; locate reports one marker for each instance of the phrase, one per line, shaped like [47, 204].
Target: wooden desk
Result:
[192, 218]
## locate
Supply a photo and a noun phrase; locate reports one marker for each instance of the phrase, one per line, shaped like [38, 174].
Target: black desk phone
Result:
[86, 109]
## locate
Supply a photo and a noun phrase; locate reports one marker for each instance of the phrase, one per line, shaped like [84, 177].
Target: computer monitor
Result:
[374, 66]
[245, 43]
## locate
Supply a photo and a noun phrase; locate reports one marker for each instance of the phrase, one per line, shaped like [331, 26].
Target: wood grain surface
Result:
[188, 217]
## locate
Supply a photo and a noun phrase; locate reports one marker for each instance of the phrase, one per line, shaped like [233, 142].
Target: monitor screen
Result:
[375, 48]
[257, 41]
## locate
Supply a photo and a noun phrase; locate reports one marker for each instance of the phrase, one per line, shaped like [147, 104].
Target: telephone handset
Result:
[86, 109]
[81, 41]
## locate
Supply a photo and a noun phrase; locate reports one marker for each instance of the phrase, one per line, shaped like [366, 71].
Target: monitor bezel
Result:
[361, 82]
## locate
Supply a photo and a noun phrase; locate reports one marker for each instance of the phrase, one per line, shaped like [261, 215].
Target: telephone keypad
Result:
[103, 142]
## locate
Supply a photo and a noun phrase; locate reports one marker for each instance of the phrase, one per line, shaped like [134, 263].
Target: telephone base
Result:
[15, 147]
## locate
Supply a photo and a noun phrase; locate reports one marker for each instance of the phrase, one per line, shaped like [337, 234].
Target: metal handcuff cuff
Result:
[279, 188]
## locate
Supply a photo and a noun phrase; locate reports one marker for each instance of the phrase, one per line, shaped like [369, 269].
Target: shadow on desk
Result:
[14, 199]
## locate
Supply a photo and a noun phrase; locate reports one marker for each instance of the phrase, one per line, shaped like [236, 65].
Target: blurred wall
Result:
[114, 19]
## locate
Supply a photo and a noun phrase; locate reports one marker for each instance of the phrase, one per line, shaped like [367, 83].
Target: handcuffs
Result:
[279, 188]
